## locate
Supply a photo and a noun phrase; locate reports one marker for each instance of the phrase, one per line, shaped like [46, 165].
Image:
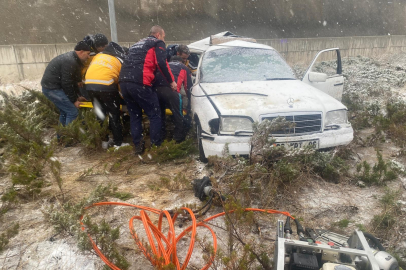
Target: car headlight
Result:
[233, 124]
[335, 119]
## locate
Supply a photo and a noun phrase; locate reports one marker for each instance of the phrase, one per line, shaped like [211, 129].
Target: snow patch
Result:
[61, 255]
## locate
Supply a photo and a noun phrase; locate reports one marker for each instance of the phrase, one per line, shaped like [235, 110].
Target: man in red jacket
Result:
[137, 74]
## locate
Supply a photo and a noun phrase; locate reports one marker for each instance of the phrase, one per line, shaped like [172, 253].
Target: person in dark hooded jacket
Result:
[101, 82]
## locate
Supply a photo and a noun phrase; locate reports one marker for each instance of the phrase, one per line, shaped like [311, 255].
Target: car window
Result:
[326, 63]
[244, 64]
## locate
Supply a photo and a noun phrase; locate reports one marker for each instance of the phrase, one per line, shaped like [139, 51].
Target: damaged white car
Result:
[240, 82]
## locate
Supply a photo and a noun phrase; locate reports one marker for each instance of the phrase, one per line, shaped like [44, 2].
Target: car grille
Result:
[304, 123]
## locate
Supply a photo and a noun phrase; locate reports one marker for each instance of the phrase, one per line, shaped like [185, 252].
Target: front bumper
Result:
[240, 145]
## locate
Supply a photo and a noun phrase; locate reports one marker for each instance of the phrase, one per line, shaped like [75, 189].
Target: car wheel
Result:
[202, 156]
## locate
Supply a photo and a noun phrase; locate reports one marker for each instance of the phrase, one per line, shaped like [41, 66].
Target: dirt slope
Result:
[319, 203]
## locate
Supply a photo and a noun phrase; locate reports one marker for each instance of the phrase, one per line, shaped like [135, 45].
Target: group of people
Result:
[146, 77]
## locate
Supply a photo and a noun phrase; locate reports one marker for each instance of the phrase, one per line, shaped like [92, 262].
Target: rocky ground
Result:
[319, 203]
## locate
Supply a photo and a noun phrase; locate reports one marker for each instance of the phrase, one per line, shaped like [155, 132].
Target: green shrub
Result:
[396, 112]
[389, 198]
[288, 165]
[261, 147]
[43, 107]
[121, 195]
[178, 182]
[329, 166]
[361, 227]
[380, 173]
[359, 116]
[394, 122]
[20, 128]
[390, 210]
[169, 151]
[285, 171]
[343, 223]
[9, 233]
[383, 221]
[9, 196]
[22, 123]
[65, 217]
[26, 169]
[85, 129]
[105, 237]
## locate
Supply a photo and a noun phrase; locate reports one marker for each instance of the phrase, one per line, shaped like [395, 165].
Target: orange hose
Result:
[162, 256]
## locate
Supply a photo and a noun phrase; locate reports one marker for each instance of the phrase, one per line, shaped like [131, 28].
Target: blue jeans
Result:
[138, 98]
[68, 111]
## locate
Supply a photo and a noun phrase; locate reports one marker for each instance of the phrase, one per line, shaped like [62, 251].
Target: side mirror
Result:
[317, 77]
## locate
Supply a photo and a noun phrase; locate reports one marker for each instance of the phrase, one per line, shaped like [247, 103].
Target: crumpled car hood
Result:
[231, 98]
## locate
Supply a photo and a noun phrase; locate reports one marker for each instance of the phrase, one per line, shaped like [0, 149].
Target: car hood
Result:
[256, 98]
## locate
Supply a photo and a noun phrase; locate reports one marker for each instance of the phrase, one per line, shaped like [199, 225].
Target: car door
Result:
[325, 73]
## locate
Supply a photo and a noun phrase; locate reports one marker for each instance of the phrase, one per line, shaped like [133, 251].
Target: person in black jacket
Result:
[61, 79]
[173, 99]
[189, 60]
[136, 77]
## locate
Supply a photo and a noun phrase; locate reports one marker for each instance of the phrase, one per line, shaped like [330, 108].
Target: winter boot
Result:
[139, 148]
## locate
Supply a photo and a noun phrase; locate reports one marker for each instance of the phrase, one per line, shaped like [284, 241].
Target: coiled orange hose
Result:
[162, 255]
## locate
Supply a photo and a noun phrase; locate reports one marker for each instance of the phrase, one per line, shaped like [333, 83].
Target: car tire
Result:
[202, 156]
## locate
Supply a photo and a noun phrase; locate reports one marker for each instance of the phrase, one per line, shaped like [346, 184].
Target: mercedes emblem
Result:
[290, 102]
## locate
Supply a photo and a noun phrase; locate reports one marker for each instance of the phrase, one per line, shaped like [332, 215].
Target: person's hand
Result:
[82, 99]
[77, 104]
[174, 86]
[80, 84]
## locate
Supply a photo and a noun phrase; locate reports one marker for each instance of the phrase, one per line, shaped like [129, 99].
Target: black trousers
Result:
[173, 101]
[142, 97]
[109, 104]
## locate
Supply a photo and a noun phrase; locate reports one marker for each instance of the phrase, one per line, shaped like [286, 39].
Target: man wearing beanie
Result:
[97, 44]
[61, 79]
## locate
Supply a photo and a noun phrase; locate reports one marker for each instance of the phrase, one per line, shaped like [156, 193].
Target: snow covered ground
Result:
[18, 88]
[37, 247]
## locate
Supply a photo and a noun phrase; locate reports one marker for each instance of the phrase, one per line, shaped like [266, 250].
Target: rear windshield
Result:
[244, 64]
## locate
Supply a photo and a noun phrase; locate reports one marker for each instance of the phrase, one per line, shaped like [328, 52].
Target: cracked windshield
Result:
[242, 64]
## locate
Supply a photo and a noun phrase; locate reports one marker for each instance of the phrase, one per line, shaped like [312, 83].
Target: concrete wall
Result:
[68, 21]
[28, 62]
[303, 50]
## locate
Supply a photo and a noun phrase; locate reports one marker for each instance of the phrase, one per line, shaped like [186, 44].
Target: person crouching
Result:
[102, 85]
[173, 99]
[60, 83]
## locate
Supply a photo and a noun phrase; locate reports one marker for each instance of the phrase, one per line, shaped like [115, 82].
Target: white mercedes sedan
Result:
[239, 82]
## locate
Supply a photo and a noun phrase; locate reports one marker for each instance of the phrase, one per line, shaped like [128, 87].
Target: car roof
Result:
[204, 44]
[239, 43]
